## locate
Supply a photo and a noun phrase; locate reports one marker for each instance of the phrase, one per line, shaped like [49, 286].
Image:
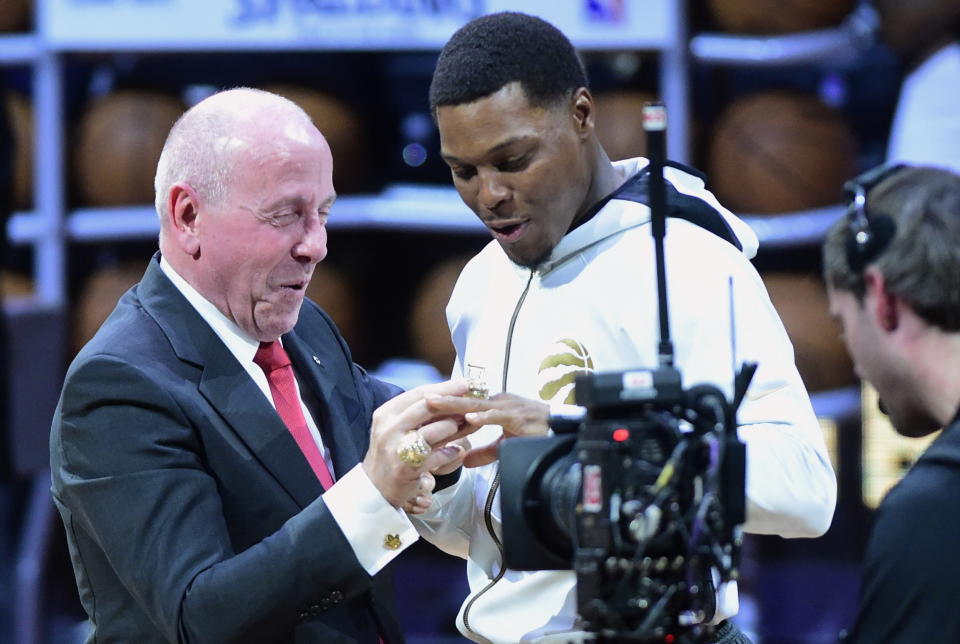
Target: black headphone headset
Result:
[869, 233]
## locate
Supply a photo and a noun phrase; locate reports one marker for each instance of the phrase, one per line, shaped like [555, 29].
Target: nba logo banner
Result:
[606, 10]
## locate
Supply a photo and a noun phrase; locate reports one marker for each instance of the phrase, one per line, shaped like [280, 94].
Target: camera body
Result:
[642, 498]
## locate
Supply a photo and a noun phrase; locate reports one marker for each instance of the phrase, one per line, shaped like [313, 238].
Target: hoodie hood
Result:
[686, 198]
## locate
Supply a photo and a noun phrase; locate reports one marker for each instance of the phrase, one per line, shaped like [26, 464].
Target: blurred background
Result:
[779, 102]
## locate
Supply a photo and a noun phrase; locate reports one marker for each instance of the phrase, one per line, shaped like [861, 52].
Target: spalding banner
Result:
[91, 25]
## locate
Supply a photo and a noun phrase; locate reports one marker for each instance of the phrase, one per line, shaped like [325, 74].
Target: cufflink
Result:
[391, 541]
[317, 360]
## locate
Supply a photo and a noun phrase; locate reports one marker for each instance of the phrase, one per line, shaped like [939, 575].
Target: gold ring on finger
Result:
[413, 450]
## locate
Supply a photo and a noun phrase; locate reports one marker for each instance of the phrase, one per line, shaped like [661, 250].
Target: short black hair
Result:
[494, 50]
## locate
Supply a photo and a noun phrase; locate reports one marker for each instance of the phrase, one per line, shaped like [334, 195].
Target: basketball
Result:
[20, 114]
[14, 285]
[428, 321]
[801, 301]
[340, 125]
[333, 291]
[911, 27]
[779, 151]
[119, 140]
[778, 16]
[98, 297]
[619, 123]
[15, 15]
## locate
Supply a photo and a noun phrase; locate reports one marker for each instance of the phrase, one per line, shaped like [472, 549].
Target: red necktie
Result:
[276, 365]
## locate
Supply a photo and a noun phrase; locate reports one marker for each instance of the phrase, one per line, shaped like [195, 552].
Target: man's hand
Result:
[402, 484]
[456, 450]
[517, 416]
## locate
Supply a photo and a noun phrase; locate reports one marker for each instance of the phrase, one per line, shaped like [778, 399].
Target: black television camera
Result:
[643, 497]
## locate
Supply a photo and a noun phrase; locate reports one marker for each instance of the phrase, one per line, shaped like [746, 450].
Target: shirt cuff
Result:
[566, 418]
[376, 530]
[566, 410]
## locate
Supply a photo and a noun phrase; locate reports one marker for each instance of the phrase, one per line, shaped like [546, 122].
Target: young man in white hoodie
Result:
[568, 285]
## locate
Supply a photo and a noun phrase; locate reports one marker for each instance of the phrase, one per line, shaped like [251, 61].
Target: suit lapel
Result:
[227, 387]
[317, 382]
[243, 406]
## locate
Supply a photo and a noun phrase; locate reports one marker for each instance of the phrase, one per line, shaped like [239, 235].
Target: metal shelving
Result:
[47, 216]
[68, 28]
[401, 206]
[50, 228]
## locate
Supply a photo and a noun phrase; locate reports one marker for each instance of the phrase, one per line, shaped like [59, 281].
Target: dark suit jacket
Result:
[191, 514]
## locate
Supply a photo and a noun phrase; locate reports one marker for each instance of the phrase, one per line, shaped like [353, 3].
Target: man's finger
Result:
[450, 388]
[438, 432]
[483, 455]
[456, 458]
[419, 504]
[403, 420]
[454, 405]
[427, 483]
[442, 456]
[488, 417]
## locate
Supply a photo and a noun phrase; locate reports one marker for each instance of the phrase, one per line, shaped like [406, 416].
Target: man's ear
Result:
[183, 218]
[584, 110]
[884, 305]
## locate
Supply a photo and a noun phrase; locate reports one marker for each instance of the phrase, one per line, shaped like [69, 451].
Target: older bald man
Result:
[216, 455]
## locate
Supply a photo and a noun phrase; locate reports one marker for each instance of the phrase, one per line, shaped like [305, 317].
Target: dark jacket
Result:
[191, 514]
[911, 576]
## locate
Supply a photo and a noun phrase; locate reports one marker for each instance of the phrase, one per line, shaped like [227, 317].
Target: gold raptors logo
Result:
[566, 359]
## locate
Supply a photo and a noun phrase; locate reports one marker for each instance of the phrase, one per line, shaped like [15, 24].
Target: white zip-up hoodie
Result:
[593, 306]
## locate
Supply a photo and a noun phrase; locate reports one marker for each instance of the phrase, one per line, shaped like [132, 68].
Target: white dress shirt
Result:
[363, 514]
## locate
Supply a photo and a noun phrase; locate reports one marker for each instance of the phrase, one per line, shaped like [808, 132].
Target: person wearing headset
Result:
[892, 268]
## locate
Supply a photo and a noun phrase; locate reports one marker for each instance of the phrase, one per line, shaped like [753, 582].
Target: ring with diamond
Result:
[477, 388]
[413, 450]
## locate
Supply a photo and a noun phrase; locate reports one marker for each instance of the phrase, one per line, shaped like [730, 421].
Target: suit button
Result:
[336, 597]
[317, 609]
[303, 614]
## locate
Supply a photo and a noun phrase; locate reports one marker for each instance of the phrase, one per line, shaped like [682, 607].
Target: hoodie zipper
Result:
[495, 485]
